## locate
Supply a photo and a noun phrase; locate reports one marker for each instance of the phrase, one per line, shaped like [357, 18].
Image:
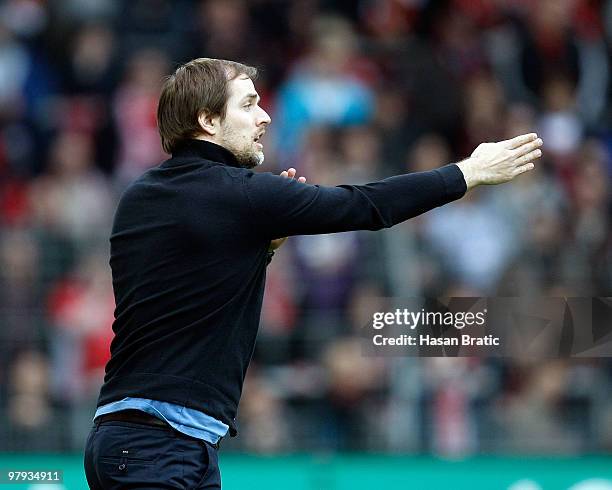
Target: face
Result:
[244, 123]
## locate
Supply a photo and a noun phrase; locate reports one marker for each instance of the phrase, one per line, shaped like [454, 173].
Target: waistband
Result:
[143, 418]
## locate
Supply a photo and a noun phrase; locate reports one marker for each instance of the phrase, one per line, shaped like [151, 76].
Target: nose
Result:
[264, 117]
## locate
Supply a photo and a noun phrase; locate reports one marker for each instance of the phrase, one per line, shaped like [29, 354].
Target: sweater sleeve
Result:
[284, 207]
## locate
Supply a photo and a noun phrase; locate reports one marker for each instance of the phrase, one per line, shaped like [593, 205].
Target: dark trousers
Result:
[122, 455]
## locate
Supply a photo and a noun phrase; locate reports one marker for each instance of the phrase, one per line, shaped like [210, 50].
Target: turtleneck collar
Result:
[207, 150]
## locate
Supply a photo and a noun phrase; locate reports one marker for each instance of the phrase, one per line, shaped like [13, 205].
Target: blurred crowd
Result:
[357, 90]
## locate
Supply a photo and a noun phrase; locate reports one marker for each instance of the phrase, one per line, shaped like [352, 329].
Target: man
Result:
[189, 248]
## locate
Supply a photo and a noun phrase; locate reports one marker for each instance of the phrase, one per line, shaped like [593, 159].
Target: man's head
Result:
[216, 101]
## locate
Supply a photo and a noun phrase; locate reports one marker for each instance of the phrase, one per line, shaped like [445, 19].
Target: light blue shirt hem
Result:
[186, 420]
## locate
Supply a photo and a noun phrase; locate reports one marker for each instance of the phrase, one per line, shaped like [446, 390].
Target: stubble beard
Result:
[247, 157]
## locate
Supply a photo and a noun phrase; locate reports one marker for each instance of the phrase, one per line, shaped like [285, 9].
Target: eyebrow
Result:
[251, 96]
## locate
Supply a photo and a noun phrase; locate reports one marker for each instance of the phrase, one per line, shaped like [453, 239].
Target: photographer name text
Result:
[413, 319]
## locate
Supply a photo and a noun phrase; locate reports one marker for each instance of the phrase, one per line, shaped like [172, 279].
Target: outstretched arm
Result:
[283, 207]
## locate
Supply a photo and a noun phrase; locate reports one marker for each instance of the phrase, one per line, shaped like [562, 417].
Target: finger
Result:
[524, 168]
[519, 140]
[529, 157]
[283, 173]
[291, 172]
[529, 147]
[302, 180]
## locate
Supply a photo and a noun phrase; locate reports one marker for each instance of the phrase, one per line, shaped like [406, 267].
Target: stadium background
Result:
[357, 90]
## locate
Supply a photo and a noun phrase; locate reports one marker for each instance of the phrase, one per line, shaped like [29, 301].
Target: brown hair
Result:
[199, 86]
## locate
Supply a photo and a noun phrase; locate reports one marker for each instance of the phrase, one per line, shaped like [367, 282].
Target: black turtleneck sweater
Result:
[189, 253]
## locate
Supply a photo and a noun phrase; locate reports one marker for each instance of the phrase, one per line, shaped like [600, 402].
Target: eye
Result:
[248, 106]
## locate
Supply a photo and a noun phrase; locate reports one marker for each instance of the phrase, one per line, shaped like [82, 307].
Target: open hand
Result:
[496, 163]
[289, 173]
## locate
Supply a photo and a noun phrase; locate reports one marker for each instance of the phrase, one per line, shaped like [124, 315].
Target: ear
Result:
[208, 123]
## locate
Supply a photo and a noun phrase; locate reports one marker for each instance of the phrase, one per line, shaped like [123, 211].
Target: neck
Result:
[210, 139]
[206, 149]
